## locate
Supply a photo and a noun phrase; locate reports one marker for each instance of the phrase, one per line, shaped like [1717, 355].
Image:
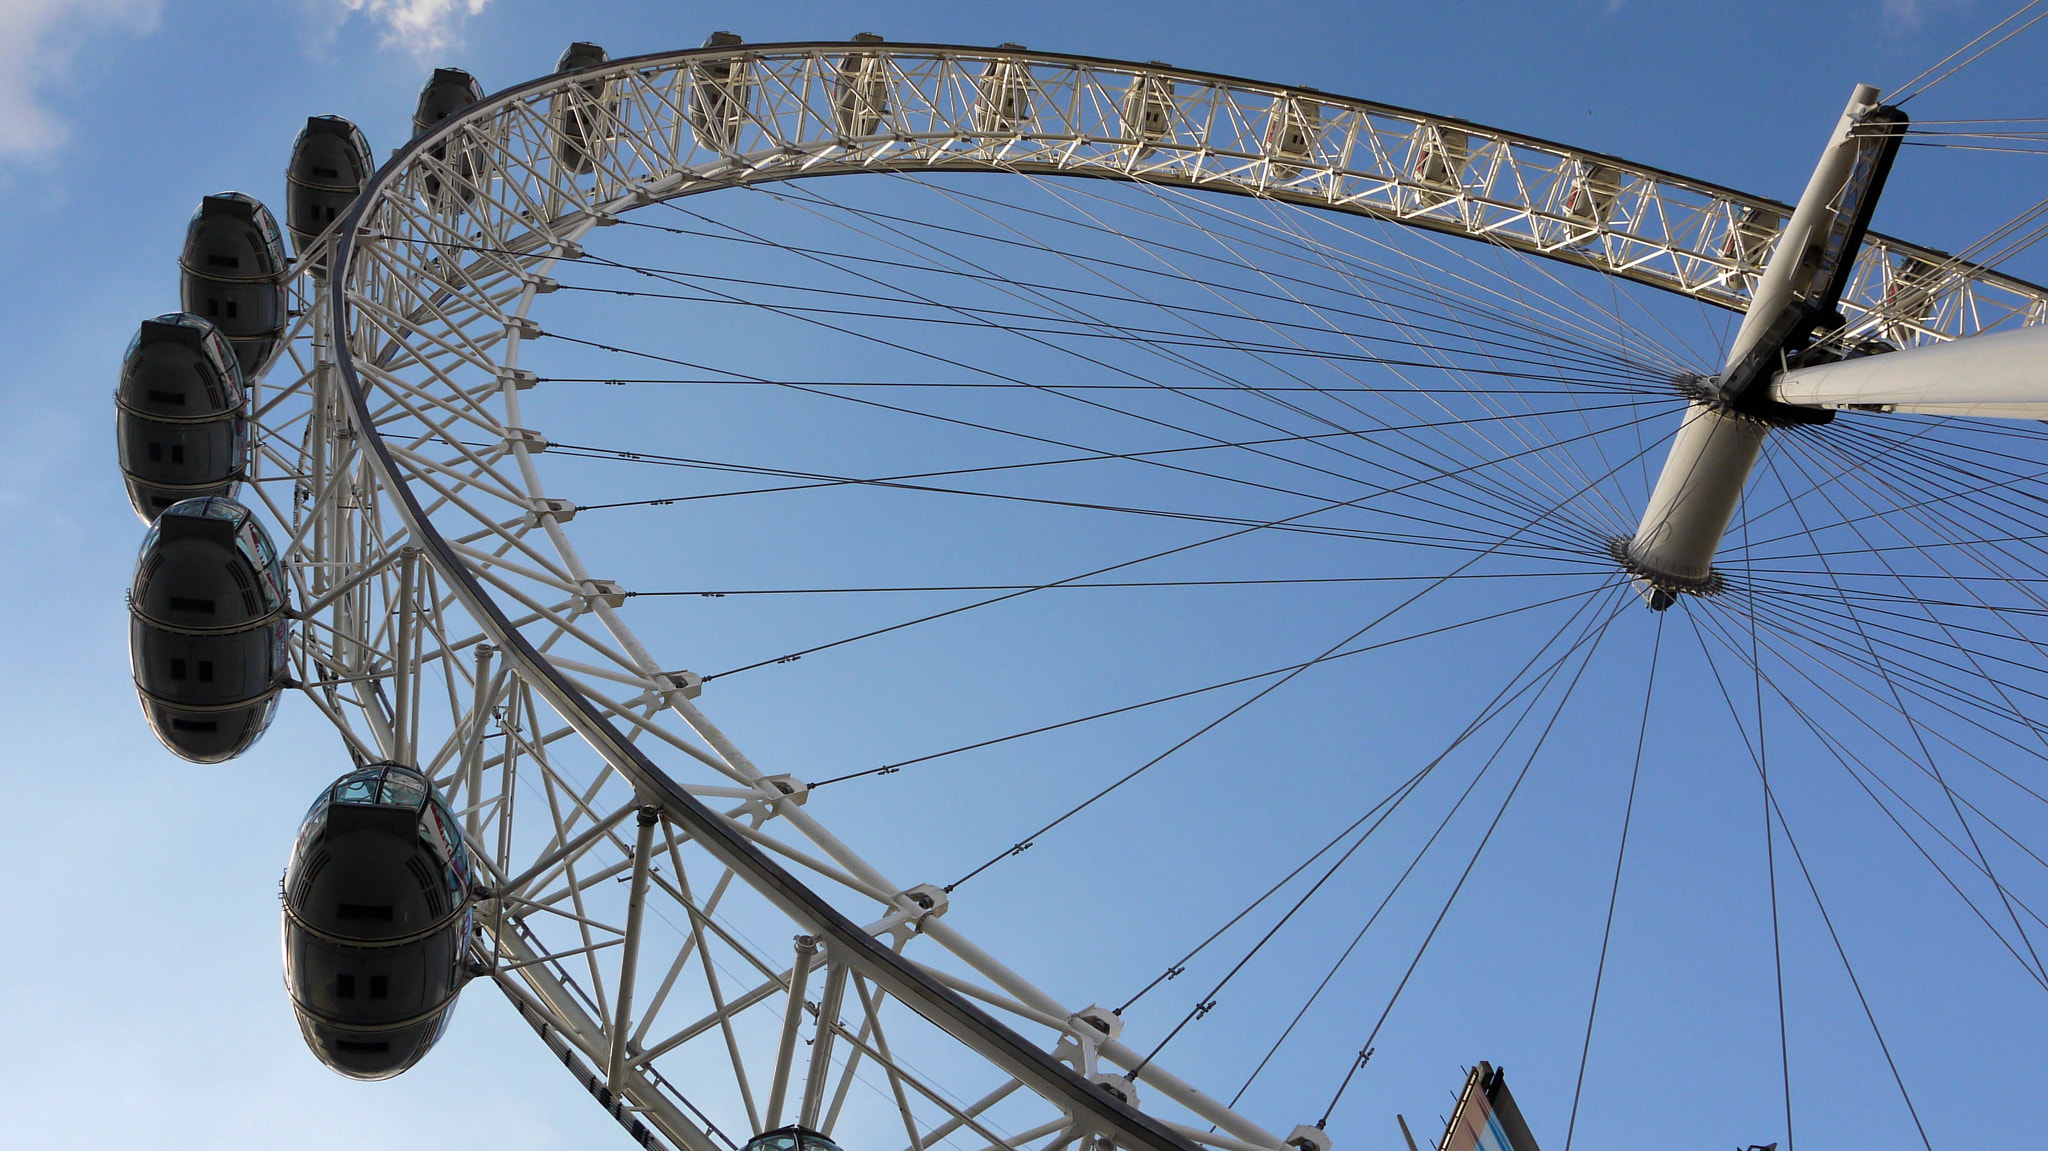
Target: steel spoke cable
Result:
[829, 480]
[1570, 328]
[1499, 703]
[720, 593]
[1949, 629]
[1378, 304]
[1820, 905]
[857, 400]
[1283, 253]
[1763, 765]
[1914, 87]
[1593, 373]
[1365, 1048]
[1207, 1002]
[1927, 754]
[1614, 889]
[1484, 493]
[1595, 361]
[892, 768]
[1850, 764]
[1083, 576]
[1023, 844]
[976, 317]
[816, 197]
[998, 386]
[1291, 247]
[1541, 682]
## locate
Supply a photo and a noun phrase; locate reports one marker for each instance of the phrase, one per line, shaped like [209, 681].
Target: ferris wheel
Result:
[536, 796]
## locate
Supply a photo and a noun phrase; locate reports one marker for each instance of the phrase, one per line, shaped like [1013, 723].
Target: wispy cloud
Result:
[425, 28]
[1906, 15]
[43, 38]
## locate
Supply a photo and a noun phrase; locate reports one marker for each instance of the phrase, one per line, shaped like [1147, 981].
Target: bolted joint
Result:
[806, 945]
[689, 683]
[1307, 1138]
[649, 815]
[786, 787]
[532, 441]
[1096, 1024]
[922, 900]
[517, 379]
[560, 511]
[525, 327]
[1116, 1087]
[602, 591]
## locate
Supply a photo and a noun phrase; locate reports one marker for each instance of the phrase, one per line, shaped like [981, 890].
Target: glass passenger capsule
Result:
[378, 913]
[207, 632]
[582, 115]
[446, 93]
[181, 428]
[233, 275]
[330, 166]
[791, 1138]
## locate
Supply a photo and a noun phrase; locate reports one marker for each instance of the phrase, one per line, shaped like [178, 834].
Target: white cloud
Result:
[1906, 15]
[425, 28]
[42, 38]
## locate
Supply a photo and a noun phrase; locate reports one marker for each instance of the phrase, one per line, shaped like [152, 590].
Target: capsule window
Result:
[363, 1046]
[380, 987]
[156, 453]
[330, 173]
[178, 669]
[177, 398]
[199, 606]
[230, 304]
[205, 671]
[224, 261]
[344, 986]
[376, 912]
[196, 726]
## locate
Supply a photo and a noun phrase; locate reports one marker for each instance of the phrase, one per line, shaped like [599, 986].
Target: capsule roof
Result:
[232, 236]
[581, 54]
[216, 533]
[790, 1138]
[446, 92]
[179, 366]
[331, 152]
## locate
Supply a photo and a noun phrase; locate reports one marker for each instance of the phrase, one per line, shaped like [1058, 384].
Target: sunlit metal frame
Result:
[430, 568]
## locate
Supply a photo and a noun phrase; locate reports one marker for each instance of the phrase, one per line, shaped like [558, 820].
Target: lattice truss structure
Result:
[645, 879]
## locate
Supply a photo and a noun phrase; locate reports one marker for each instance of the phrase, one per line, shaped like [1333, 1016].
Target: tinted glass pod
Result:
[447, 92]
[182, 428]
[330, 166]
[583, 115]
[378, 913]
[207, 631]
[233, 275]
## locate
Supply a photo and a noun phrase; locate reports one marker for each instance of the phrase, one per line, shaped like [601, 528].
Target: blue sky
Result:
[142, 955]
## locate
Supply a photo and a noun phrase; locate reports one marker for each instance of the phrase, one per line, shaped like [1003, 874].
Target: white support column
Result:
[473, 757]
[792, 1022]
[403, 662]
[1997, 375]
[629, 965]
[1715, 448]
[821, 1045]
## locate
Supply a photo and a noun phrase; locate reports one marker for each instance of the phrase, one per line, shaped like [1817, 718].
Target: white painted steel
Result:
[407, 360]
[1713, 451]
[1696, 495]
[2001, 375]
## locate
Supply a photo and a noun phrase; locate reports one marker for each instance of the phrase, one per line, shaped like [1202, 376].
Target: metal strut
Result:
[1796, 298]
